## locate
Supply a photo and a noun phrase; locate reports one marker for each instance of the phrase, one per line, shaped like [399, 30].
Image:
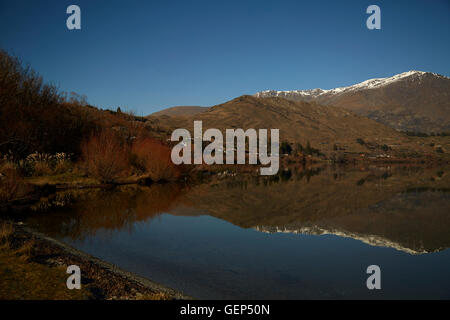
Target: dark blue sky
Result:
[148, 55]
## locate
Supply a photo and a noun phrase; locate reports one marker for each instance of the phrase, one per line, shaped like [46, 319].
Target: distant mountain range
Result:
[373, 111]
[411, 101]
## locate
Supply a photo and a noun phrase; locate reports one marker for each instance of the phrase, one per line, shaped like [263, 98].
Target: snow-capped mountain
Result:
[412, 75]
[409, 101]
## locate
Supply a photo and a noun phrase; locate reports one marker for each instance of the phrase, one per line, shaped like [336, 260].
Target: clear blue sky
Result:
[148, 55]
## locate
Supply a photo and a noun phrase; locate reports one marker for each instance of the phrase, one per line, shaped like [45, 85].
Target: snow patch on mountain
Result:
[368, 84]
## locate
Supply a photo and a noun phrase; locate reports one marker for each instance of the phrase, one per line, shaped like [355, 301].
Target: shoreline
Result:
[44, 186]
[104, 280]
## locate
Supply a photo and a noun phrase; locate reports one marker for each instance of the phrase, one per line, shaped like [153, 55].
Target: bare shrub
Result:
[152, 157]
[105, 157]
[12, 184]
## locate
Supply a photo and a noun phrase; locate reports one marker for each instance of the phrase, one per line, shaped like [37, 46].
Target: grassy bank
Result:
[33, 267]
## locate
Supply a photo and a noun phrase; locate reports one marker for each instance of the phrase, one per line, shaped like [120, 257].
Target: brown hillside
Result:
[180, 111]
[411, 105]
[298, 122]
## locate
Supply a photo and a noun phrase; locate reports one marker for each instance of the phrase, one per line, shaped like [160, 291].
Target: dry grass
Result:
[42, 168]
[6, 230]
[25, 252]
[25, 280]
[22, 278]
[62, 166]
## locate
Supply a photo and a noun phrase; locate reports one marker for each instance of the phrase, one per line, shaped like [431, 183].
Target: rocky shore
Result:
[101, 279]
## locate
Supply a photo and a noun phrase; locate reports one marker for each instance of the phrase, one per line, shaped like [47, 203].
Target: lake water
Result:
[307, 233]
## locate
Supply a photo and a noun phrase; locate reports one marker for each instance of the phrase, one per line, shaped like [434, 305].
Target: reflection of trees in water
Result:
[295, 173]
[355, 199]
[348, 200]
[108, 210]
[300, 173]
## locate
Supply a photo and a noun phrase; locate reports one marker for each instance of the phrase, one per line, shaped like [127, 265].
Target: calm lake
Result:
[307, 233]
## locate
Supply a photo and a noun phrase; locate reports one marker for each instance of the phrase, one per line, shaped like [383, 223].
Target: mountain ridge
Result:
[366, 84]
[180, 110]
[410, 101]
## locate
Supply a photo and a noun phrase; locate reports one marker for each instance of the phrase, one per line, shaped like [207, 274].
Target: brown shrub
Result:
[105, 157]
[152, 157]
[12, 184]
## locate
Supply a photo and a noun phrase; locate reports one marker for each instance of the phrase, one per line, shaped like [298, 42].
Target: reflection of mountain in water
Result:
[379, 207]
[403, 208]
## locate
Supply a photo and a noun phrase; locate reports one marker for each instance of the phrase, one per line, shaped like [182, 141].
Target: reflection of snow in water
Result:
[371, 240]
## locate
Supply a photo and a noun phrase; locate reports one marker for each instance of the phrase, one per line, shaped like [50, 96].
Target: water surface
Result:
[307, 233]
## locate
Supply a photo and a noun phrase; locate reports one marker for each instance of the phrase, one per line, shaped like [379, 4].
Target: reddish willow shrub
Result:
[105, 157]
[152, 157]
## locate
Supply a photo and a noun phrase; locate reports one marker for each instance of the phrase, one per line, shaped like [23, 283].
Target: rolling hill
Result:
[180, 111]
[299, 122]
